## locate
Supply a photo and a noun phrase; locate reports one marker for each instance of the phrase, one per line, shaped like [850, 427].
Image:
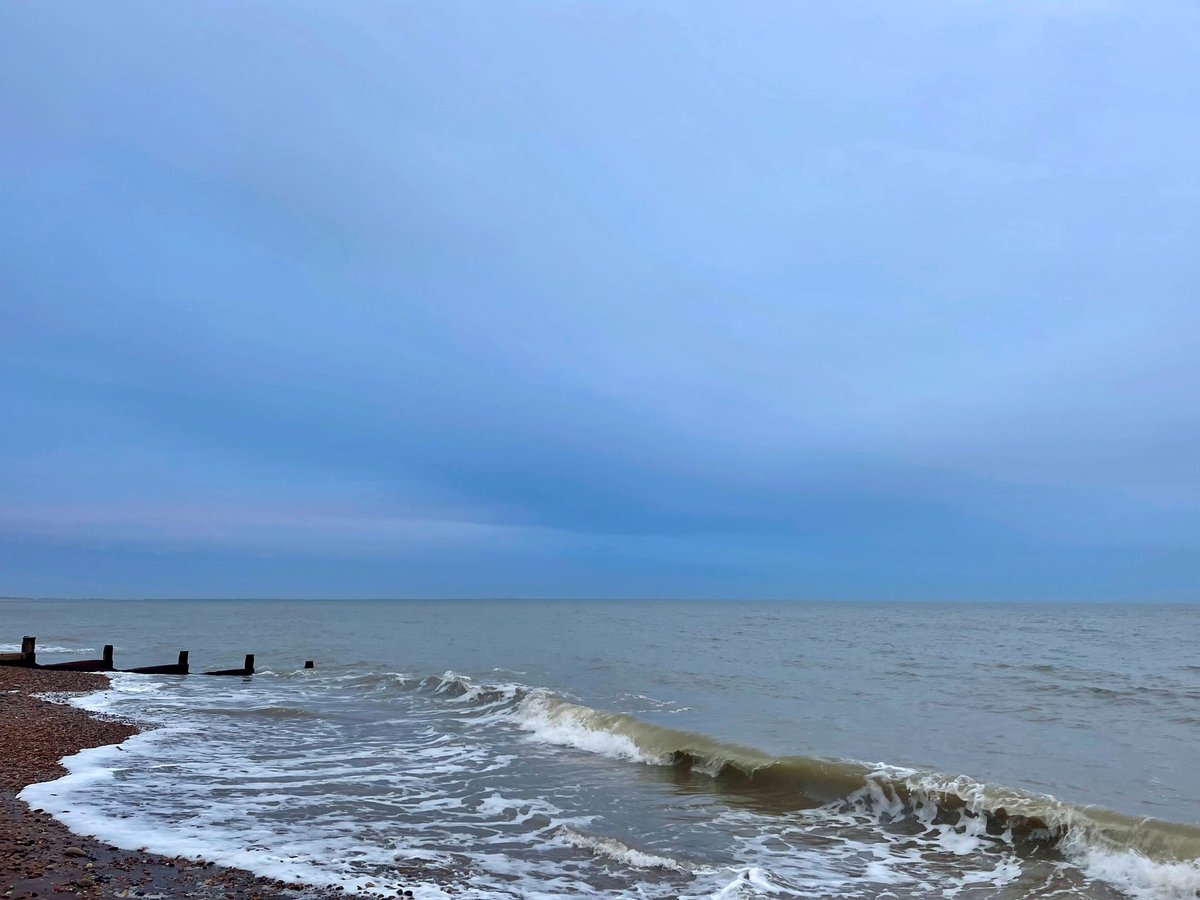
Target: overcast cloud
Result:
[868, 300]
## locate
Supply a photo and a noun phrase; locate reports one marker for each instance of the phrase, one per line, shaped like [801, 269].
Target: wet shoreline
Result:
[40, 857]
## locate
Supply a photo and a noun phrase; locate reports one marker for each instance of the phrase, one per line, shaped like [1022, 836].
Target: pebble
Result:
[34, 736]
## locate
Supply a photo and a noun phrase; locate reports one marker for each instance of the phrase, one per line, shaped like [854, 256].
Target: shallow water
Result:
[654, 749]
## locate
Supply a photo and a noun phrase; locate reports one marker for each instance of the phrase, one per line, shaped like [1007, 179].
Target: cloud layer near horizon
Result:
[600, 300]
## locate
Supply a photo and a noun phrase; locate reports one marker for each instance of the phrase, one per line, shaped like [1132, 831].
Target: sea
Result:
[638, 749]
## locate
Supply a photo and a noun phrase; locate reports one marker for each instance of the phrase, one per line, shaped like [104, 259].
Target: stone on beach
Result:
[39, 856]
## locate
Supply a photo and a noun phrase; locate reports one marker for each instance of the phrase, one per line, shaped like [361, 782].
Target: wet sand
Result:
[40, 858]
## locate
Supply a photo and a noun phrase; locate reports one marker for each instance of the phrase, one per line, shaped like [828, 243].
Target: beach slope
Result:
[40, 857]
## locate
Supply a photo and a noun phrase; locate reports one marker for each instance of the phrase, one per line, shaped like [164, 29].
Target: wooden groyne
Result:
[180, 668]
[27, 658]
[104, 664]
[247, 669]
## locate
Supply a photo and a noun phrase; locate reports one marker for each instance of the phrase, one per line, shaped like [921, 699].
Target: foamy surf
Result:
[47, 648]
[1143, 858]
[616, 850]
[477, 783]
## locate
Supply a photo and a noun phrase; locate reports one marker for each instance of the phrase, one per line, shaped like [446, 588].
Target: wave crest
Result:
[1144, 857]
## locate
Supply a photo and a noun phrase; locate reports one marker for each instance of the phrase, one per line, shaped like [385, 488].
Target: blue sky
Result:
[863, 300]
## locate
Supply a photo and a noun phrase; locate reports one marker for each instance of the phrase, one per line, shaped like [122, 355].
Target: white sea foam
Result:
[752, 881]
[500, 808]
[569, 725]
[46, 648]
[465, 780]
[1133, 873]
[244, 842]
[622, 853]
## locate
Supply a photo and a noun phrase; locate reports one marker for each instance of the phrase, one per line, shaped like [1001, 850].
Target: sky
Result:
[544, 298]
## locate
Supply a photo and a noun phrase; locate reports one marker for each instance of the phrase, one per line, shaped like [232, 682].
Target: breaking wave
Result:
[1145, 858]
[621, 852]
[442, 738]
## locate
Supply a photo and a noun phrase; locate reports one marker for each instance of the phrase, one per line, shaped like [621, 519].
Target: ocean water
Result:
[651, 750]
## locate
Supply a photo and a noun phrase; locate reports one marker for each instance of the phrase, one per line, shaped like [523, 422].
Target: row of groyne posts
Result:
[27, 659]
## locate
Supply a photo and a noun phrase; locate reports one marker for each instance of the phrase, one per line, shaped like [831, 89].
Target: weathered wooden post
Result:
[27, 658]
[104, 664]
[247, 669]
[179, 668]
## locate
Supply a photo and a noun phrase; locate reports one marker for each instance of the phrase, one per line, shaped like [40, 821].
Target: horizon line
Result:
[568, 599]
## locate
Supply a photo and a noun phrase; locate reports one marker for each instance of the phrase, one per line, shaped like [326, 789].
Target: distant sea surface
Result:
[651, 749]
